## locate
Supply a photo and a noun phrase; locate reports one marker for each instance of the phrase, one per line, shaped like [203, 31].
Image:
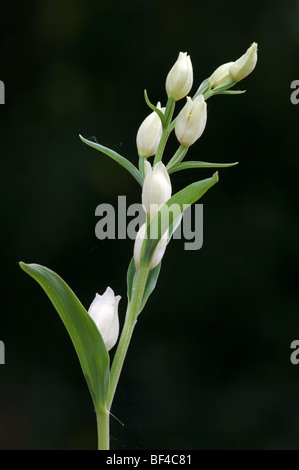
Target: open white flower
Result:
[104, 312]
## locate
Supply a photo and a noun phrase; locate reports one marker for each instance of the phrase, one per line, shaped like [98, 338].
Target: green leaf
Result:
[204, 88]
[173, 226]
[230, 92]
[169, 213]
[154, 108]
[86, 338]
[130, 278]
[115, 156]
[188, 165]
[150, 285]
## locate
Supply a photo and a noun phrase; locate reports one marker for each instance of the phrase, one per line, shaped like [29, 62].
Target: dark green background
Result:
[209, 364]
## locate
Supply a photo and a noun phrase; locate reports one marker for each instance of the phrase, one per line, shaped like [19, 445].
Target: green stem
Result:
[133, 310]
[141, 167]
[203, 89]
[103, 429]
[178, 157]
[166, 130]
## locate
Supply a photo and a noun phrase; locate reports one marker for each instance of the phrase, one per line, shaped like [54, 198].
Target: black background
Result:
[209, 364]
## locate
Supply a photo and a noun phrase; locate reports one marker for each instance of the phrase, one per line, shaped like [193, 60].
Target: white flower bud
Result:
[191, 121]
[245, 65]
[156, 188]
[221, 76]
[104, 312]
[149, 134]
[179, 80]
[159, 251]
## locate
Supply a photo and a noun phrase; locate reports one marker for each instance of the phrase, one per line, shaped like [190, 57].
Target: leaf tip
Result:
[24, 266]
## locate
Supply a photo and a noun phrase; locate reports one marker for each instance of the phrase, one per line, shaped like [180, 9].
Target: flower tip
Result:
[242, 67]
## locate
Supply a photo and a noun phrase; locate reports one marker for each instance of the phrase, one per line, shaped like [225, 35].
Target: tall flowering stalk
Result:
[95, 331]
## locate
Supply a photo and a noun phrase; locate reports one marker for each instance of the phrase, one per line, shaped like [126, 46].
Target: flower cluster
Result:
[151, 138]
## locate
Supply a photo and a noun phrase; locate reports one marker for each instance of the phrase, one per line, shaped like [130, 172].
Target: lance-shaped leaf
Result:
[188, 165]
[170, 212]
[117, 157]
[86, 338]
[150, 284]
[154, 108]
[130, 278]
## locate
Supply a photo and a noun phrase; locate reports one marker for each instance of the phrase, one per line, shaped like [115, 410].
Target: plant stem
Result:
[133, 310]
[178, 157]
[103, 429]
[166, 130]
[141, 167]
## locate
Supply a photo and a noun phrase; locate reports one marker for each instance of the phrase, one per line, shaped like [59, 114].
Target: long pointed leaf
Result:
[86, 338]
[188, 165]
[150, 285]
[130, 278]
[154, 108]
[117, 157]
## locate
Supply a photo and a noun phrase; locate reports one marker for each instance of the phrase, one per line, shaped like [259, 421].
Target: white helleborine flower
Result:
[159, 251]
[156, 188]
[245, 65]
[191, 121]
[104, 312]
[149, 134]
[221, 76]
[179, 80]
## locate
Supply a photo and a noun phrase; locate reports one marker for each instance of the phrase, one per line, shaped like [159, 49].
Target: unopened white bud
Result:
[221, 76]
[179, 80]
[149, 134]
[191, 121]
[156, 188]
[104, 312]
[245, 65]
[158, 253]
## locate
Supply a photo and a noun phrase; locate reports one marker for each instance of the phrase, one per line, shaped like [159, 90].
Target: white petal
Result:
[104, 312]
